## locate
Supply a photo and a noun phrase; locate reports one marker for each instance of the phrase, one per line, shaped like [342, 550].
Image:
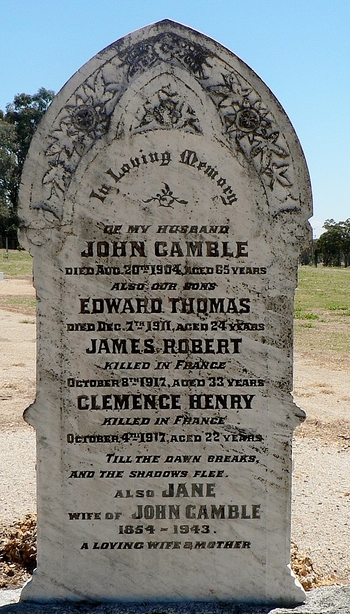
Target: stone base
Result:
[324, 600]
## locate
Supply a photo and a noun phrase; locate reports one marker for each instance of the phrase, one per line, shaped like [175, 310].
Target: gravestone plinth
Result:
[164, 200]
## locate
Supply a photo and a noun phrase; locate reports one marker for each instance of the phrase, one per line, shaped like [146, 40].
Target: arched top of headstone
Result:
[167, 77]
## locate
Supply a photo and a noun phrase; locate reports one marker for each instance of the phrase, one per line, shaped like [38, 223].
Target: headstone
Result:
[164, 200]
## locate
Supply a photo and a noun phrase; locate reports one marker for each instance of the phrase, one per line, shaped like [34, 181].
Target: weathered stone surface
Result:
[324, 600]
[164, 200]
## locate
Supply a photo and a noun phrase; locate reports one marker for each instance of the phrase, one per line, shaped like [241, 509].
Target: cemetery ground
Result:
[321, 478]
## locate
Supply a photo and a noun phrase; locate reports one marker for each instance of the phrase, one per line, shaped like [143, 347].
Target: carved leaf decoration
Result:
[89, 93]
[257, 148]
[79, 147]
[66, 120]
[221, 91]
[55, 191]
[56, 134]
[236, 85]
[266, 158]
[166, 197]
[279, 151]
[245, 117]
[263, 110]
[67, 149]
[55, 176]
[50, 174]
[101, 91]
[54, 148]
[230, 123]
[232, 92]
[67, 145]
[109, 73]
[109, 107]
[277, 173]
[79, 100]
[268, 146]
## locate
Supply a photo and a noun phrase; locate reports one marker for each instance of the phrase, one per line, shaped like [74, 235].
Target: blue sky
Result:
[300, 48]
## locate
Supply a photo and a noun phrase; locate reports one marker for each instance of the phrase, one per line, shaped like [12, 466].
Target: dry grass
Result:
[304, 570]
[16, 263]
[17, 552]
[18, 304]
[337, 432]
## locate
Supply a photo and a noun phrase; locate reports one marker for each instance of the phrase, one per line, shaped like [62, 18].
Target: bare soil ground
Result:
[321, 479]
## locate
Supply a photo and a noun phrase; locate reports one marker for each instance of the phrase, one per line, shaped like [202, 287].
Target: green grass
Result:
[16, 263]
[322, 308]
[322, 290]
[21, 301]
[299, 314]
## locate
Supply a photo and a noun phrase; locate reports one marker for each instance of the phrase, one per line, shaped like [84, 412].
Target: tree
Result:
[17, 126]
[9, 180]
[333, 246]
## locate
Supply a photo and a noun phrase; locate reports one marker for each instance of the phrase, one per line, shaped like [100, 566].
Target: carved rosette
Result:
[80, 123]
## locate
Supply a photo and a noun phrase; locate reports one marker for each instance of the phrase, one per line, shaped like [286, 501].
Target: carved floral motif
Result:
[166, 47]
[79, 125]
[250, 123]
[166, 198]
[167, 109]
[86, 117]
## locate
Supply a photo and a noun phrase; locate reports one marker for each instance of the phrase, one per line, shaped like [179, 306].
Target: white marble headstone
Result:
[164, 200]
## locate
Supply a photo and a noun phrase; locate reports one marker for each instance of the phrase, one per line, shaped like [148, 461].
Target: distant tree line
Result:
[332, 248]
[17, 126]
